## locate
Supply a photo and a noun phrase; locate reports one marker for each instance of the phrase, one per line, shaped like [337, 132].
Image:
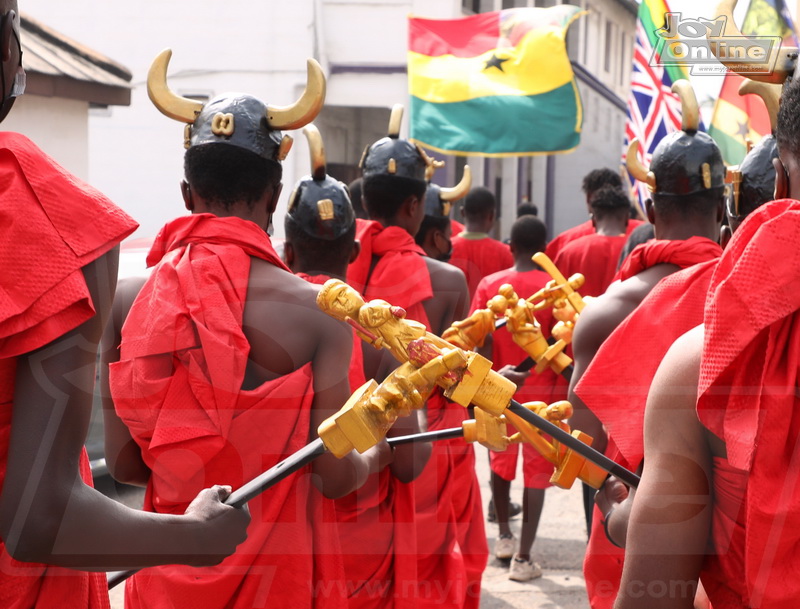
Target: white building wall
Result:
[260, 48]
[60, 127]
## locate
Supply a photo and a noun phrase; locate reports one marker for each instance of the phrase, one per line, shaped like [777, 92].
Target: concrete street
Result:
[559, 548]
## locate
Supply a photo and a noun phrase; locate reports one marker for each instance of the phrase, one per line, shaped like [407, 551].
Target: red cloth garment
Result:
[376, 526]
[748, 392]
[616, 383]
[576, 232]
[456, 228]
[378, 540]
[479, 258]
[722, 579]
[53, 225]
[595, 257]
[631, 356]
[178, 387]
[660, 251]
[390, 266]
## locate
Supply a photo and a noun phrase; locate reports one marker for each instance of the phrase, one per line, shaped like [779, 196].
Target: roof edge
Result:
[58, 39]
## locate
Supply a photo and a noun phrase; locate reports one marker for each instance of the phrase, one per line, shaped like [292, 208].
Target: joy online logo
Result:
[685, 42]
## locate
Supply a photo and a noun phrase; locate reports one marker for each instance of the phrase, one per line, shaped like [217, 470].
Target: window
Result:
[624, 58]
[609, 45]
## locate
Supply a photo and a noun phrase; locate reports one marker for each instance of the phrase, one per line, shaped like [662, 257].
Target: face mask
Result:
[20, 79]
[445, 257]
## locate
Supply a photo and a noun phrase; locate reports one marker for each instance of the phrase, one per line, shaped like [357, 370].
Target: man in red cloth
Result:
[227, 366]
[392, 267]
[596, 255]
[375, 523]
[736, 433]
[528, 236]
[58, 255]
[474, 251]
[592, 182]
[686, 211]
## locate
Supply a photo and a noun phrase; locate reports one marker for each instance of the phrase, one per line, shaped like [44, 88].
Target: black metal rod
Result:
[598, 458]
[529, 363]
[428, 436]
[276, 473]
[251, 489]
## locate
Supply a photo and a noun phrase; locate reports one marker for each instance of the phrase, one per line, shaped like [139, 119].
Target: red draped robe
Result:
[479, 258]
[595, 257]
[376, 526]
[53, 226]
[178, 387]
[451, 542]
[616, 383]
[747, 396]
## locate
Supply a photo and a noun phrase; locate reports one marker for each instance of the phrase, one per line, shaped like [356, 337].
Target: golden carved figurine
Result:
[569, 464]
[472, 331]
[466, 377]
[377, 322]
[386, 327]
[488, 430]
[527, 333]
[369, 413]
[560, 288]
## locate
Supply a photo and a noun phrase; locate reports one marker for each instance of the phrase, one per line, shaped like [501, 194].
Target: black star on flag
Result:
[742, 129]
[495, 62]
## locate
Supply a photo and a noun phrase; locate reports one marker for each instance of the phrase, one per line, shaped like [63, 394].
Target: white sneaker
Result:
[504, 547]
[523, 570]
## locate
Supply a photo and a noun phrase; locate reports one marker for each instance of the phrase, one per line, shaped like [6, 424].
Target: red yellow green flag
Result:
[494, 84]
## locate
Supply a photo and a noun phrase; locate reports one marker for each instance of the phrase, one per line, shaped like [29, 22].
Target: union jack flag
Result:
[653, 110]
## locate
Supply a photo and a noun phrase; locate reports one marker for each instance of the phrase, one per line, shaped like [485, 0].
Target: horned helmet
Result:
[685, 162]
[394, 156]
[753, 181]
[439, 200]
[320, 204]
[777, 68]
[237, 119]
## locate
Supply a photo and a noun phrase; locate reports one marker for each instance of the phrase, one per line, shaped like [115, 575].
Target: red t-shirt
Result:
[479, 258]
[595, 257]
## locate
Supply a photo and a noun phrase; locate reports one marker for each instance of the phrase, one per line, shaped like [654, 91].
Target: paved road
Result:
[559, 548]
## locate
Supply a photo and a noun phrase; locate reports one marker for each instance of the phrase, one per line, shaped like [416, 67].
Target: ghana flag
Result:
[737, 119]
[494, 84]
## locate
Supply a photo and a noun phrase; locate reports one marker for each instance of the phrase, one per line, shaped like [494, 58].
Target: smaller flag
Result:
[738, 118]
[494, 84]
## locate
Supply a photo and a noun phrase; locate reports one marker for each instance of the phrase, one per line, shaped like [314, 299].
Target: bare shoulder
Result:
[679, 373]
[446, 277]
[602, 316]
[282, 322]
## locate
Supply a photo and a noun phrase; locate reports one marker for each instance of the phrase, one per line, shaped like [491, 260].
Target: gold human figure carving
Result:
[372, 409]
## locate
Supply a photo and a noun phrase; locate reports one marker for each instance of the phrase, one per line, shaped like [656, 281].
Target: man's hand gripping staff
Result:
[384, 326]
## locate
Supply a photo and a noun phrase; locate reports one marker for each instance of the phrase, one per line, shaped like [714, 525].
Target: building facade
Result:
[260, 48]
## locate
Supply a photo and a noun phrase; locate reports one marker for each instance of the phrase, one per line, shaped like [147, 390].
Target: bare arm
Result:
[597, 322]
[410, 459]
[123, 456]
[338, 477]
[47, 514]
[670, 520]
